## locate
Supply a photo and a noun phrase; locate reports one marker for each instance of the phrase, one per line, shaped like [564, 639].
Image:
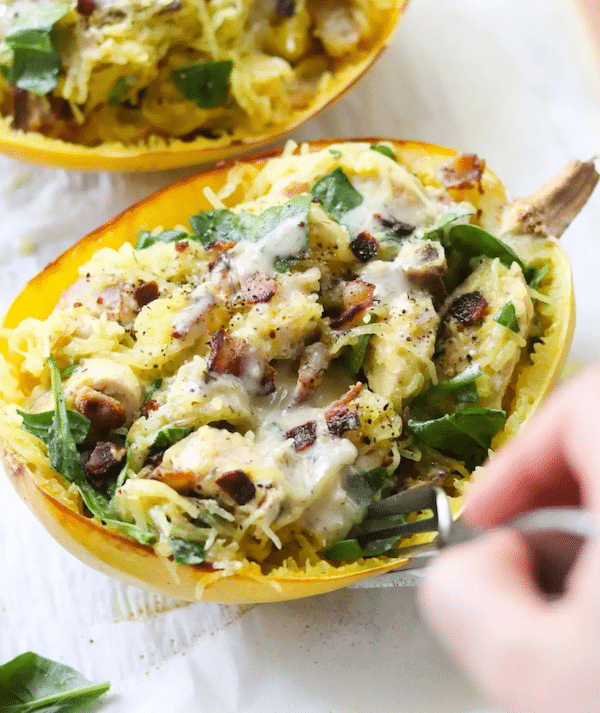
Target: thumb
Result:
[482, 602]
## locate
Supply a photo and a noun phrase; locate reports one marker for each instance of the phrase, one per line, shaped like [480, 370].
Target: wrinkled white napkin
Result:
[512, 81]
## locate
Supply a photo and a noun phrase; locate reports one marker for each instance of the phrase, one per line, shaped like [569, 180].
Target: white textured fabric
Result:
[515, 82]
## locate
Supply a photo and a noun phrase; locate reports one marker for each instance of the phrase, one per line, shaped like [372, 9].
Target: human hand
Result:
[530, 655]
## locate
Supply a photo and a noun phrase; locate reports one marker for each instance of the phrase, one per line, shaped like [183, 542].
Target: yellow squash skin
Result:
[136, 564]
[35, 148]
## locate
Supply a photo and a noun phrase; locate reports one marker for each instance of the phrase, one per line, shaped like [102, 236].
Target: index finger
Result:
[554, 461]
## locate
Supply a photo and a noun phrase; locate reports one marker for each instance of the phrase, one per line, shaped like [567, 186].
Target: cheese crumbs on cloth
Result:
[241, 388]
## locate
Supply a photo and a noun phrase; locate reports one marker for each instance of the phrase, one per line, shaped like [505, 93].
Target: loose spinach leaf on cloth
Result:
[470, 241]
[465, 435]
[507, 317]
[33, 683]
[187, 551]
[36, 61]
[206, 84]
[336, 194]
[147, 238]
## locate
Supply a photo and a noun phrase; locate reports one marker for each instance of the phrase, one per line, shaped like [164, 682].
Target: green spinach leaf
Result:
[169, 435]
[206, 84]
[336, 194]
[465, 435]
[146, 238]
[187, 551]
[152, 389]
[437, 231]
[40, 425]
[353, 549]
[218, 225]
[470, 241]
[539, 275]
[68, 372]
[33, 683]
[363, 487]
[385, 150]
[507, 317]
[36, 61]
[354, 354]
[121, 88]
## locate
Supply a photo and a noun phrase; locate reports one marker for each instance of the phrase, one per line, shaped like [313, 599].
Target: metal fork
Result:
[555, 535]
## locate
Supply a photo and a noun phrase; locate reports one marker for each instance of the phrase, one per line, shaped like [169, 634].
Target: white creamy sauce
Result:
[288, 239]
[189, 319]
[389, 278]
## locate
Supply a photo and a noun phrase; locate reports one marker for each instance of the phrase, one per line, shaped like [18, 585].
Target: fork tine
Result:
[422, 497]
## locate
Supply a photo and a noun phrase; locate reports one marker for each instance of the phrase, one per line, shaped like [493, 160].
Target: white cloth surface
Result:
[515, 82]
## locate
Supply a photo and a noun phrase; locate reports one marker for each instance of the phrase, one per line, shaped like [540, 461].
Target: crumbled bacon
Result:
[398, 227]
[313, 365]
[174, 6]
[304, 435]
[339, 417]
[230, 355]
[181, 246]
[357, 297]
[285, 8]
[104, 456]
[218, 250]
[146, 292]
[463, 172]
[105, 413]
[86, 7]
[30, 112]
[237, 485]
[364, 247]
[183, 481]
[150, 405]
[155, 459]
[258, 289]
[468, 308]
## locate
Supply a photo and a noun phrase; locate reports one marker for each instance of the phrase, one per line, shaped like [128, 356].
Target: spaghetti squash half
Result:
[203, 396]
[144, 84]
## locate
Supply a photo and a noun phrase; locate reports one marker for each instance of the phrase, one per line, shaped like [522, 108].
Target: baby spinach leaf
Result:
[335, 153]
[437, 231]
[465, 435]
[33, 683]
[336, 194]
[147, 238]
[353, 549]
[36, 61]
[152, 389]
[385, 150]
[283, 264]
[470, 240]
[461, 387]
[68, 372]
[294, 212]
[507, 317]
[187, 551]
[40, 425]
[169, 435]
[218, 225]
[363, 487]
[354, 354]
[206, 84]
[539, 275]
[121, 88]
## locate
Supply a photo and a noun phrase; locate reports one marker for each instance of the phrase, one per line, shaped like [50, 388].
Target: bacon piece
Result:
[86, 7]
[426, 267]
[285, 8]
[313, 364]
[183, 481]
[149, 406]
[105, 413]
[30, 112]
[398, 227]
[258, 289]
[304, 436]
[357, 297]
[155, 459]
[364, 247]
[463, 172]
[104, 456]
[230, 355]
[339, 417]
[181, 246]
[147, 292]
[468, 308]
[237, 485]
[174, 6]
[218, 250]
